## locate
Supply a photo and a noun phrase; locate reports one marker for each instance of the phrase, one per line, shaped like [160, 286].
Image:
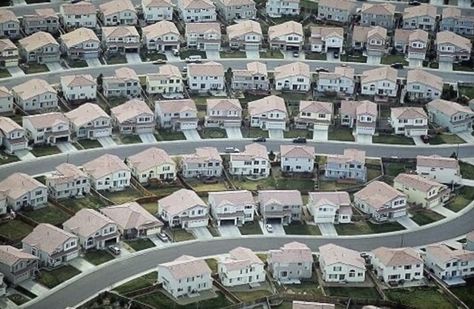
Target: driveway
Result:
[444, 211]
[275, 134]
[106, 141]
[417, 140]
[213, 55]
[233, 133]
[252, 54]
[24, 155]
[191, 135]
[66, 147]
[363, 139]
[467, 182]
[201, 232]
[330, 57]
[147, 138]
[278, 229]
[158, 242]
[81, 264]
[16, 71]
[54, 66]
[133, 58]
[229, 230]
[408, 223]
[373, 59]
[320, 135]
[171, 57]
[34, 287]
[445, 66]
[93, 63]
[289, 55]
[327, 229]
[415, 63]
[466, 136]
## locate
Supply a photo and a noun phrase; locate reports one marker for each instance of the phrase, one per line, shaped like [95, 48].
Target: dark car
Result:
[336, 54]
[260, 139]
[299, 140]
[415, 3]
[321, 70]
[397, 65]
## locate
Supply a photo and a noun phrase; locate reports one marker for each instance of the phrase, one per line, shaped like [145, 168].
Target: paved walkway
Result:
[275, 134]
[252, 54]
[16, 72]
[34, 287]
[213, 55]
[466, 136]
[228, 230]
[54, 66]
[320, 135]
[133, 58]
[106, 141]
[373, 59]
[158, 242]
[327, 229]
[408, 223]
[192, 135]
[233, 133]
[414, 63]
[171, 57]
[467, 182]
[24, 155]
[417, 140]
[444, 212]
[93, 62]
[201, 232]
[363, 138]
[81, 264]
[445, 66]
[147, 138]
[66, 147]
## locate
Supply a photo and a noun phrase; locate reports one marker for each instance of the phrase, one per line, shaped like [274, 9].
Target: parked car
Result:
[299, 140]
[210, 180]
[397, 65]
[296, 54]
[163, 237]
[336, 54]
[232, 150]
[415, 3]
[269, 228]
[194, 59]
[159, 61]
[176, 52]
[114, 249]
[321, 70]
[260, 139]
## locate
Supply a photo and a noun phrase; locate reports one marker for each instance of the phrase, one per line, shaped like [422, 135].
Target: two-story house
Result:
[421, 191]
[253, 161]
[246, 35]
[195, 11]
[378, 14]
[120, 40]
[381, 202]
[205, 162]
[157, 10]
[293, 77]
[80, 14]
[361, 116]
[108, 172]
[24, 191]
[336, 10]
[177, 115]
[161, 36]
[67, 181]
[455, 21]
[203, 36]
[40, 47]
[152, 163]
[350, 166]
[413, 44]
[451, 115]
[422, 85]
[452, 48]
[442, 169]
[396, 264]
[9, 24]
[409, 121]
[226, 113]
[79, 87]
[420, 17]
[125, 83]
[232, 10]
[167, 81]
[315, 115]
[253, 78]
[206, 77]
[380, 82]
[12, 135]
[330, 207]
[118, 12]
[278, 8]
[268, 113]
[81, 43]
[16, 265]
[296, 159]
[41, 20]
[236, 207]
[133, 117]
[325, 39]
[34, 95]
[184, 209]
[447, 264]
[241, 266]
[89, 121]
[341, 81]
[286, 36]
[370, 39]
[339, 264]
[8, 53]
[283, 206]
[292, 262]
[48, 128]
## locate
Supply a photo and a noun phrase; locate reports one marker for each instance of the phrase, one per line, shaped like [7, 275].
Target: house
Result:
[205, 162]
[80, 87]
[421, 191]
[120, 40]
[349, 166]
[94, 230]
[49, 128]
[253, 161]
[409, 121]
[246, 35]
[278, 8]
[451, 47]
[157, 10]
[125, 83]
[204, 77]
[80, 44]
[380, 82]
[336, 10]
[108, 172]
[168, 80]
[8, 53]
[40, 47]
[133, 117]
[232, 10]
[341, 81]
[422, 85]
[177, 114]
[196, 11]
[451, 115]
[80, 14]
[254, 77]
[12, 135]
[371, 39]
[89, 121]
[236, 207]
[314, 115]
[241, 266]
[378, 14]
[453, 20]
[324, 39]
[9, 24]
[469, 244]
[203, 36]
[161, 36]
[330, 207]
[41, 20]
[284, 206]
[286, 36]
[152, 163]
[35, 94]
[291, 263]
[118, 12]
[296, 159]
[381, 202]
[412, 43]
[184, 209]
[359, 115]
[447, 264]
[226, 113]
[67, 181]
[442, 169]
[268, 113]
[185, 276]
[17, 265]
[420, 17]
[24, 191]
[293, 77]
[339, 264]
[396, 264]
[53, 246]
[133, 221]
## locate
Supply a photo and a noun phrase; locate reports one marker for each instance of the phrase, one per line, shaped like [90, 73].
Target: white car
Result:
[269, 228]
[232, 150]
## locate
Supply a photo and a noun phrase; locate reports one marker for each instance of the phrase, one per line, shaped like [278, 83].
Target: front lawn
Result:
[137, 283]
[253, 132]
[178, 235]
[98, 257]
[462, 198]
[365, 227]
[439, 139]
[18, 299]
[315, 56]
[51, 278]
[301, 229]
[212, 133]
[250, 228]
[49, 214]
[33, 68]
[15, 230]
[419, 298]
[6, 158]
[467, 170]
[358, 293]
[168, 135]
[392, 139]
[152, 56]
[425, 216]
[341, 134]
[116, 59]
[78, 63]
[183, 54]
[40, 151]
[124, 196]
[130, 139]
[89, 143]
[272, 53]
[4, 73]
[140, 244]
[294, 133]
[233, 54]
[391, 59]
[356, 57]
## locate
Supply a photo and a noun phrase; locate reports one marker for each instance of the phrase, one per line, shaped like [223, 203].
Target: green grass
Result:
[78, 63]
[395, 168]
[392, 139]
[250, 228]
[356, 57]
[98, 257]
[130, 139]
[183, 54]
[465, 293]
[40, 151]
[308, 287]
[212, 263]
[213, 133]
[4, 73]
[49, 214]
[124, 196]
[462, 198]
[273, 53]
[159, 300]
[254, 185]
[467, 91]
[373, 173]
[390, 59]
[360, 293]
[467, 170]
[333, 185]
[180, 235]
[140, 244]
[199, 186]
[88, 201]
[363, 227]
[89, 143]
[294, 133]
[301, 229]
[462, 67]
[439, 139]
[302, 184]
[250, 296]
[137, 283]
[52, 278]
[315, 56]
[341, 134]
[6, 158]
[18, 299]
[168, 135]
[15, 230]
[309, 4]
[425, 216]
[150, 207]
[116, 59]
[233, 54]
[33, 68]
[253, 132]
[420, 298]
[152, 56]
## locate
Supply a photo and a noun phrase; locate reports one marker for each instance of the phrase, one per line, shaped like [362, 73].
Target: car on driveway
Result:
[115, 249]
[163, 237]
[296, 54]
[397, 65]
[414, 3]
[336, 54]
[232, 150]
[299, 140]
[260, 139]
[318, 70]
[159, 61]
[269, 228]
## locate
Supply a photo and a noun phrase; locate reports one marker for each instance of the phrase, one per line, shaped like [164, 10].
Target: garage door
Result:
[102, 133]
[212, 47]
[188, 125]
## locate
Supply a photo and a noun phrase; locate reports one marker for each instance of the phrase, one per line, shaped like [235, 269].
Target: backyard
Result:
[250, 228]
[250, 296]
[51, 278]
[420, 298]
[395, 168]
[137, 283]
[243, 183]
[425, 216]
[159, 300]
[140, 244]
[308, 287]
[49, 214]
[119, 197]
[88, 201]
[467, 170]
[200, 186]
[360, 293]
[466, 292]
[15, 230]
[98, 257]
[301, 229]
[366, 227]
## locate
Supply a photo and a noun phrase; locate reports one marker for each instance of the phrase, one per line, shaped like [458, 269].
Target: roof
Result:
[354, 108]
[8, 125]
[324, 32]
[129, 110]
[266, 104]
[451, 12]
[149, 158]
[37, 40]
[470, 236]
[176, 106]
[317, 107]
[105, 165]
[86, 113]
[210, 68]
[378, 9]
[363, 33]
[437, 161]
[293, 252]
[448, 37]
[237, 2]
[239, 258]
[66, 172]
[42, 13]
[196, 4]
[180, 201]
[32, 88]
[18, 184]
[83, 8]
[7, 16]
[417, 182]
[418, 35]
[47, 238]
[444, 254]
[402, 35]
[159, 29]
[119, 32]
[224, 104]
[340, 198]
[378, 74]
[10, 255]
[377, 194]
[251, 151]
[332, 254]
[78, 80]
[116, 6]
[86, 222]
[408, 112]
[292, 69]
[311, 305]
[397, 256]
[284, 197]
[241, 197]
[165, 72]
[283, 29]
[203, 28]
[6, 44]
[423, 77]
[346, 5]
[419, 11]
[449, 108]
[253, 68]
[297, 151]
[186, 266]
[242, 28]
[131, 216]
[41, 121]
[79, 36]
[157, 3]
[350, 155]
[203, 154]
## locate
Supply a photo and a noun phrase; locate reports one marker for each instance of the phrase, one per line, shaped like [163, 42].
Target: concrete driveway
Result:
[171, 57]
[233, 133]
[34, 287]
[277, 229]
[330, 57]
[201, 232]
[363, 139]
[466, 136]
[191, 135]
[327, 229]
[54, 66]
[417, 140]
[93, 63]
[252, 54]
[275, 134]
[106, 141]
[289, 55]
[147, 138]
[407, 223]
[444, 211]
[414, 63]
[373, 59]
[320, 135]
[133, 58]
[81, 264]
[15, 71]
[66, 147]
[229, 230]
[213, 55]
[445, 66]
[24, 155]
